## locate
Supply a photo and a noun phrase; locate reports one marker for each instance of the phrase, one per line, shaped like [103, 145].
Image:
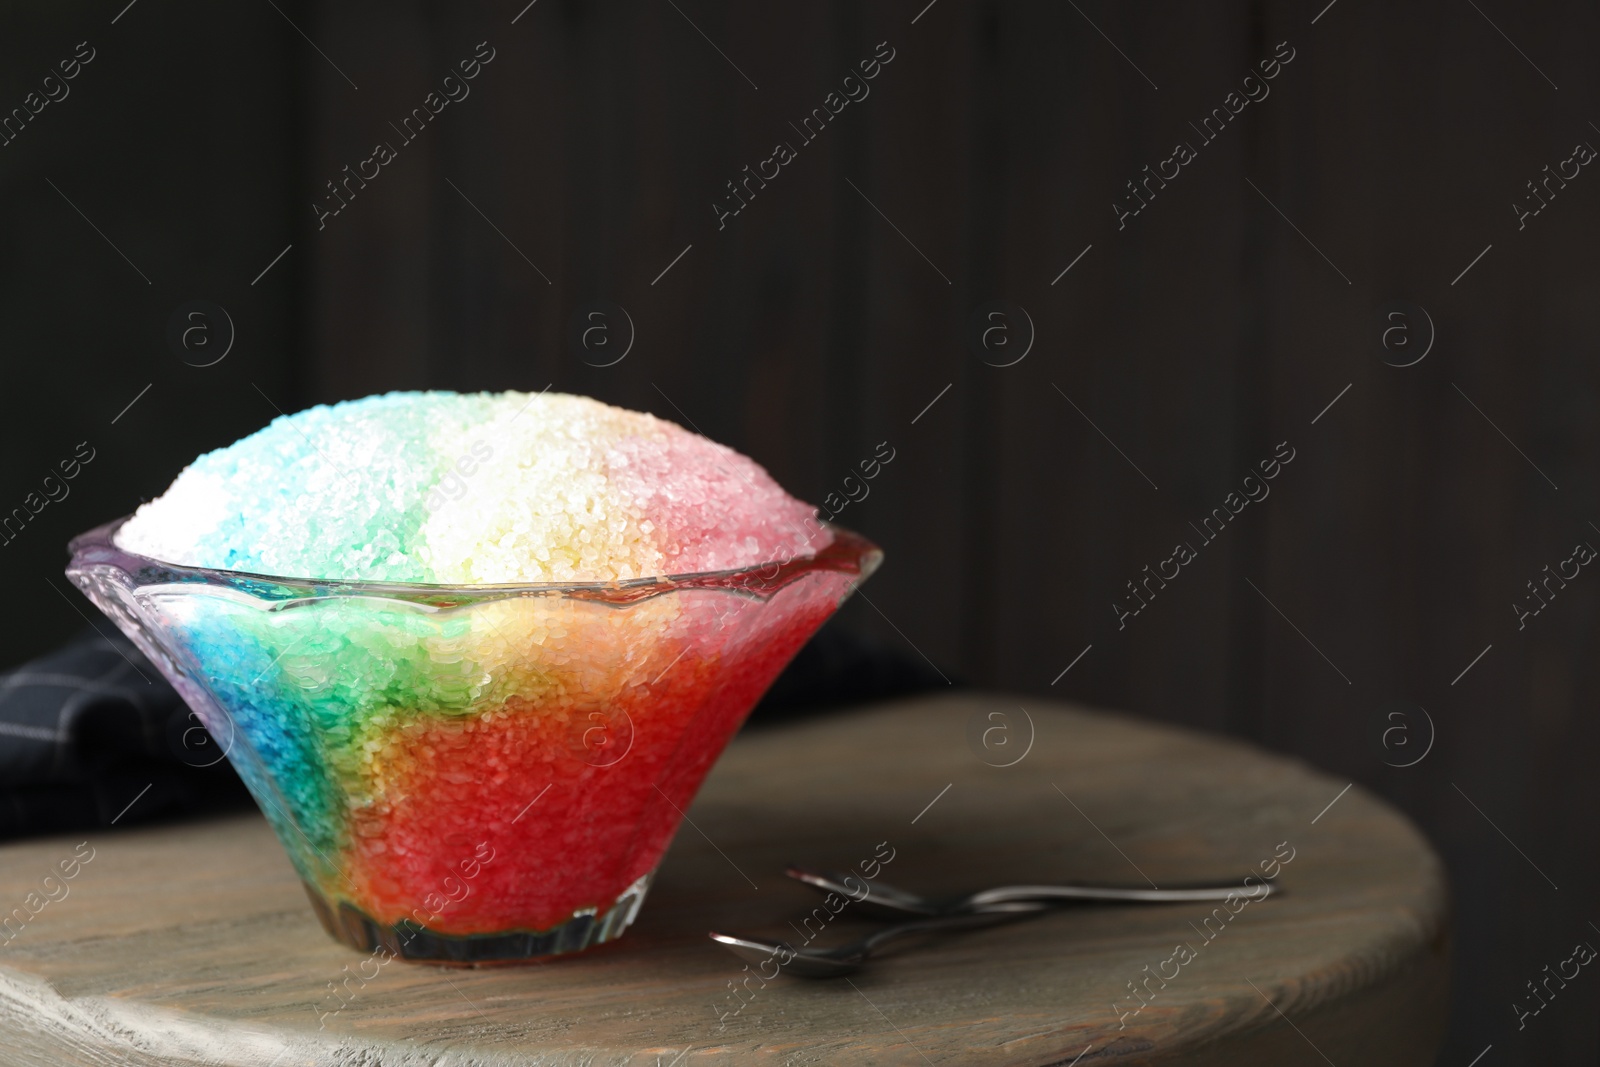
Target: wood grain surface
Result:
[193, 943]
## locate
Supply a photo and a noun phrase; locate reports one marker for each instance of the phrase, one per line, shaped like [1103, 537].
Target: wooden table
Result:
[194, 943]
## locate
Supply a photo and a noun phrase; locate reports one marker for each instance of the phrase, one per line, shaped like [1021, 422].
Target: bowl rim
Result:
[846, 552]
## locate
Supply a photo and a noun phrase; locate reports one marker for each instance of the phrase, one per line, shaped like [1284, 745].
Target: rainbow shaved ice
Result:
[488, 761]
[482, 488]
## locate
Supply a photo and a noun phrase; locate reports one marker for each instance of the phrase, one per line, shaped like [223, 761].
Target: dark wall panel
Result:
[162, 177]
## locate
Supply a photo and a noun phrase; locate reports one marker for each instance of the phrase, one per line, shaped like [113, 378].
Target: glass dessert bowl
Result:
[471, 774]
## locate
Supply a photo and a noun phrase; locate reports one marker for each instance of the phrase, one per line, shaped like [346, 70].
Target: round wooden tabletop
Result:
[194, 943]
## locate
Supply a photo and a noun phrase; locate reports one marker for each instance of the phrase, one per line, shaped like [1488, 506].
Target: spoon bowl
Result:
[848, 958]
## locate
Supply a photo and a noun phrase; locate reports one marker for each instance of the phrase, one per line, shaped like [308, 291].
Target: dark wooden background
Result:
[827, 315]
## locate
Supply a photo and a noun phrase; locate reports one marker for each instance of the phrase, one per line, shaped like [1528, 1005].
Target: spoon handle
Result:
[995, 914]
[1011, 893]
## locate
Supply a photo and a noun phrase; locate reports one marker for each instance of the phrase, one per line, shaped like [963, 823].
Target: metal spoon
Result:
[888, 902]
[847, 959]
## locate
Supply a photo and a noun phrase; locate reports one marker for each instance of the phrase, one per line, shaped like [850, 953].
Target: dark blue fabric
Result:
[91, 735]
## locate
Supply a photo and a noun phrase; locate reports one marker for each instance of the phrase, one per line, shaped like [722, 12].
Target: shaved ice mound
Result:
[450, 488]
[473, 655]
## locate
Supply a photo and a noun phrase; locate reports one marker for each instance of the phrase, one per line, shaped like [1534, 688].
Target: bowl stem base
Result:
[409, 941]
